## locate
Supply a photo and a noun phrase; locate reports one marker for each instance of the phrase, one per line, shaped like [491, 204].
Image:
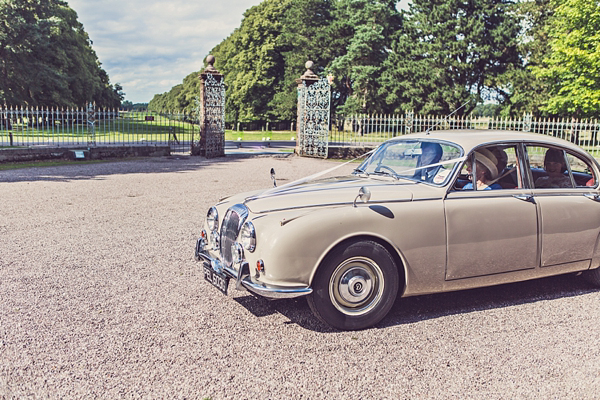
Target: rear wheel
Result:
[355, 287]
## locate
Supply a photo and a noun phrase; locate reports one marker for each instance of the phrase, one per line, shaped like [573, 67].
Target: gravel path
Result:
[100, 297]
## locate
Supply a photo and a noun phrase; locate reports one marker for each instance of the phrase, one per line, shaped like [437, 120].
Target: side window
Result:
[491, 168]
[583, 174]
[549, 167]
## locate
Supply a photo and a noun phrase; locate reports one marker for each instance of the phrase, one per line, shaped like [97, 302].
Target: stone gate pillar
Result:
[312, 127]
[212, 112]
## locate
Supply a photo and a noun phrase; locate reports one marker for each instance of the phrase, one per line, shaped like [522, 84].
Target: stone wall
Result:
[347, 153]
[93, 153]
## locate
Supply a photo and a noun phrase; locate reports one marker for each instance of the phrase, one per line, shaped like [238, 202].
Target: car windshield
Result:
[416, 159]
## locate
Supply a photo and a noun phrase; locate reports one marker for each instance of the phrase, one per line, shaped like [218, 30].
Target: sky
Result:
[149, 46]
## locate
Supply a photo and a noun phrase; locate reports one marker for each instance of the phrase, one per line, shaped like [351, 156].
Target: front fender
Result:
[293, 244]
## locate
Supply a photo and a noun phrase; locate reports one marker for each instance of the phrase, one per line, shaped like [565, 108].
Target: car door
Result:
[568, 205]
[492, 231]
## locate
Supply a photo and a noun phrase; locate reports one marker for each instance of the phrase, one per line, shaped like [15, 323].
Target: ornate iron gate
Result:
[212, 116]
[313, 118]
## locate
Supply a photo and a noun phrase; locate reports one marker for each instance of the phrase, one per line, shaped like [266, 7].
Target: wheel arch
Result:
[396, 254]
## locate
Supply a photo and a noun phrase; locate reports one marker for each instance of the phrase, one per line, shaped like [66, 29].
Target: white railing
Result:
[369, 130]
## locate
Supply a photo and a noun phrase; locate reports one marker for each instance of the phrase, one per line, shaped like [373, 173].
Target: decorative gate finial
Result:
[309, 74]
[210, 69]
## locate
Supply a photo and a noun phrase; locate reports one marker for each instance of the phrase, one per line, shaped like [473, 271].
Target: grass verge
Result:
[31, 164]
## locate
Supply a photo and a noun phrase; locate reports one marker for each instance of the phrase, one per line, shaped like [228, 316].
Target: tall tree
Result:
[305, 35]
[262, 59]
[573, 64]
[450, 51]
[46, 57]
[363, 29]
[252, 62]
[522, 91]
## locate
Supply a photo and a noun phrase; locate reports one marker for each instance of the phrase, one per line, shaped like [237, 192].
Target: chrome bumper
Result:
[242, 278]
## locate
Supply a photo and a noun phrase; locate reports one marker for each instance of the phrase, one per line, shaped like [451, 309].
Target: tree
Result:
[251, 60]
[523, 92]
[306, 35]
[571, 68]
[262, 59]
[118, 90]
[448, 52]
[46, 57]
[363, 27]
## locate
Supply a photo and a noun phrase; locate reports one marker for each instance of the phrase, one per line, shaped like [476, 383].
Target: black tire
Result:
[592, 276]
[355, 286]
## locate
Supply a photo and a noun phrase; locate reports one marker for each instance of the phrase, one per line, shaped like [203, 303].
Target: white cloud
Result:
[148, 46]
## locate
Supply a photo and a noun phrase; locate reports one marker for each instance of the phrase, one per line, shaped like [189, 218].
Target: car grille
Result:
[232, 223]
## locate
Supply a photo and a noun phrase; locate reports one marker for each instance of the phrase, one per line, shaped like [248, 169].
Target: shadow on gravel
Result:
[418, 308]
[154, 165]
[296, 310]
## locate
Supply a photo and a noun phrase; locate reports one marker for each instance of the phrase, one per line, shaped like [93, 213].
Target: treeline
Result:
[46, 58]
[130, 106]
[534, 56]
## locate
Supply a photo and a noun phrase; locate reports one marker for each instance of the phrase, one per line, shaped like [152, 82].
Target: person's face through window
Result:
[480, 171]
[429, 155]
[553, 167]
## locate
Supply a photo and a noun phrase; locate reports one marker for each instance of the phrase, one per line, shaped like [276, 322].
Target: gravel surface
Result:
[100, 297]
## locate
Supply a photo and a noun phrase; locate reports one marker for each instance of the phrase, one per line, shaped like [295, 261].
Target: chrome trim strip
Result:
[273, 292]
[335, 205]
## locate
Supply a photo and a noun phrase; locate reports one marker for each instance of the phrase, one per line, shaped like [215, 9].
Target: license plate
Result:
[219, 280]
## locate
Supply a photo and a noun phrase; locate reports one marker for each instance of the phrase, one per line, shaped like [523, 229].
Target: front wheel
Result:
[355, 287]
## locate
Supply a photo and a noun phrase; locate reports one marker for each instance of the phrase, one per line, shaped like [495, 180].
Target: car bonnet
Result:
[329, 192]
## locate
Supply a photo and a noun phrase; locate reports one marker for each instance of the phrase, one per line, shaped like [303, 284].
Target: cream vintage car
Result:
[424, 213]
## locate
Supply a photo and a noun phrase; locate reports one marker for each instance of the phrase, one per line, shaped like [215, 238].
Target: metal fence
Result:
[24, 127]
[256, 126]
[370, 130]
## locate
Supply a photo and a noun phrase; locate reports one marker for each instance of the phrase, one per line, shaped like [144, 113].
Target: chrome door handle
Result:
[592, 196]
[524, 197]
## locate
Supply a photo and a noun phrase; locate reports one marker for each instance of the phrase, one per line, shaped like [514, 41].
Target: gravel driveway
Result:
[100, 297]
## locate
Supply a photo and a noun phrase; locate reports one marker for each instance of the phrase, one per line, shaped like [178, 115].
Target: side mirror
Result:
[364, 194]
[273, 177]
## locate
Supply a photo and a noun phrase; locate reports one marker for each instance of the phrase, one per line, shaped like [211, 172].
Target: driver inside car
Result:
[431, 153]
[486, 171]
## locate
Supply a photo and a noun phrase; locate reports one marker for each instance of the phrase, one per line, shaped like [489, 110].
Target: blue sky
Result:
[148, 46]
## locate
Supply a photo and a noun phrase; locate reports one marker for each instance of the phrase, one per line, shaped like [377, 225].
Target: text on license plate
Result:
[219, 280]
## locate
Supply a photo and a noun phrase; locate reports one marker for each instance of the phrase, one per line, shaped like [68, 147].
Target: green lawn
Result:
[254, 136]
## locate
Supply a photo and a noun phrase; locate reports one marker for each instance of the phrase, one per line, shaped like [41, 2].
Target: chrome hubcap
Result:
[356, 286]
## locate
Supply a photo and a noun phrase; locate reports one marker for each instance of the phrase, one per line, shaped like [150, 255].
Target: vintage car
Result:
[424, 213]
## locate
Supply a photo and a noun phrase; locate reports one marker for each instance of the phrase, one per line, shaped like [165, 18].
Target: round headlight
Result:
[248, 236]
[212, 219]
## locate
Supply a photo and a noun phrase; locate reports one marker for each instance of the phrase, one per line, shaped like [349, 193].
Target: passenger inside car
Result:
[486, 171]
[555, 166]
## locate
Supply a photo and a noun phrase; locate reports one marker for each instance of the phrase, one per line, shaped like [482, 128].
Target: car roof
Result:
[470, 138]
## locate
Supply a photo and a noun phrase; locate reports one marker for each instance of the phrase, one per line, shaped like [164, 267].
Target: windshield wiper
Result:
[386, 172]
[358, 171]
